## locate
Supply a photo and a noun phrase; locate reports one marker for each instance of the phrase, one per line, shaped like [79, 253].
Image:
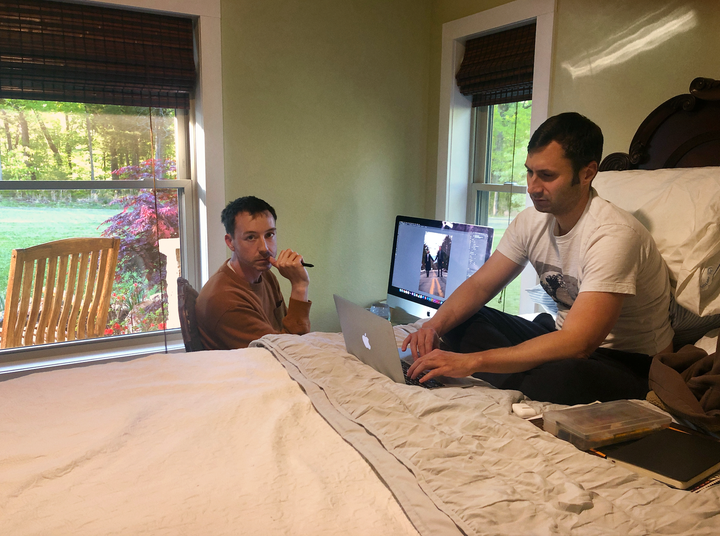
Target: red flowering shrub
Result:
[145, 218]
[139, 226]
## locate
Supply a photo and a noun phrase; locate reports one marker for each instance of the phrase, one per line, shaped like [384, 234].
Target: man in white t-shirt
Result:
[598, 263]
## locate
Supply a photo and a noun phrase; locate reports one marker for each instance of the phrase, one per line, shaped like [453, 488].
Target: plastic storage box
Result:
[597, 425]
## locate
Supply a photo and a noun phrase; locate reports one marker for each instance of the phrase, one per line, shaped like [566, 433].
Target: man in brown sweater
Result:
[242, 301]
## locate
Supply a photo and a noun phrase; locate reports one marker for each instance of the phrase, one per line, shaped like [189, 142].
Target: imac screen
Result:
[430, 259]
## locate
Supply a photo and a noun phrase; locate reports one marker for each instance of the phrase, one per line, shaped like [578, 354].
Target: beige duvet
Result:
[207, 443]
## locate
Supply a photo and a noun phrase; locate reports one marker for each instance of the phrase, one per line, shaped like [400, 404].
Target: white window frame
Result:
[454, 173]
[207, 192]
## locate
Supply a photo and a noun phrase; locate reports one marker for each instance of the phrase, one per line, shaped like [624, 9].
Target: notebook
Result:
[371, 339]
[676, 458]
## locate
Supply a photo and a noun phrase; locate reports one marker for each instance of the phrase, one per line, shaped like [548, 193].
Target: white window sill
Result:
[19, 361]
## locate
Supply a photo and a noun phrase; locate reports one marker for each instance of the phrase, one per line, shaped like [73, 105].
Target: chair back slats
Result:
[39, 280]
[32, 314]
[12, 295]
[73, 326]
[25, 283]
[59, 291]
[93, 295]
[102, 297]
[46, 299]
[69, 293]
[57, 299]
[13, 314]
[83, 318]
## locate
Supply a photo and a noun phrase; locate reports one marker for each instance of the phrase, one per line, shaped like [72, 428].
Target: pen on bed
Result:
[307, 264]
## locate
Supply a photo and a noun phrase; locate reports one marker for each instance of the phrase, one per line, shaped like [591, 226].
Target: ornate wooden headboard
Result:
[682, 132]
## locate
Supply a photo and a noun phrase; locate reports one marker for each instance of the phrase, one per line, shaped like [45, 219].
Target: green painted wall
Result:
[325, 117]
[615, 61]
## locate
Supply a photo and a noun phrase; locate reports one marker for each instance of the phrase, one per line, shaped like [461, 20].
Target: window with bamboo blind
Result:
[94, 115]
[498, 68]
[82, 53]
[497, 73]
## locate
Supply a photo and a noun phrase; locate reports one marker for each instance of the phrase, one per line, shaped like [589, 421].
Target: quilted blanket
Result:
[206, 444]
[460, 462]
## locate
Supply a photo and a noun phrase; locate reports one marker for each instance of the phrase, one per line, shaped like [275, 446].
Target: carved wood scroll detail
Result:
[705, 88]
[654, 137]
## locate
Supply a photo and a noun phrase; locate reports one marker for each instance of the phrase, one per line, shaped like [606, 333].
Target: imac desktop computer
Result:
[430, 259]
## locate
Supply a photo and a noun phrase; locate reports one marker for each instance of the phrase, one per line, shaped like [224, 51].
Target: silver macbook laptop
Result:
[371, 339]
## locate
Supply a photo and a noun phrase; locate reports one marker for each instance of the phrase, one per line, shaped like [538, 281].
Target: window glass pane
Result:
[54, 141]
[499, 208]
[510, 134]
[41, 140]
[504, 154]
[505, 209]
[139, 301]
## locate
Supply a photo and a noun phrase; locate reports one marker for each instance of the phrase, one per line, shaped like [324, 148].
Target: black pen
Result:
[308, 265]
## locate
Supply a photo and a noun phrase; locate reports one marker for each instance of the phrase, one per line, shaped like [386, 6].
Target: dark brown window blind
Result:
[498, 68]
[78, 53]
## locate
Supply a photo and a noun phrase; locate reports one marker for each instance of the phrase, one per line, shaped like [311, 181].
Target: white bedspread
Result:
[208, 443]
[485, 470]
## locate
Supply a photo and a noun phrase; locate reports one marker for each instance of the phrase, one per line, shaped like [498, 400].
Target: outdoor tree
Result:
[47, 140]
[139, 225]
[147, 216]
[510, 136]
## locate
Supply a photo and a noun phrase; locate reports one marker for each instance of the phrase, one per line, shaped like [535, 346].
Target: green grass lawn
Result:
[22, 227]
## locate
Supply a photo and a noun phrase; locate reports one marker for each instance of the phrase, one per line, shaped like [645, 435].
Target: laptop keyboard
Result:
[430, 384]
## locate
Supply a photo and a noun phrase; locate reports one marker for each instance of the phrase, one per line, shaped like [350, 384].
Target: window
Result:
[100, 170]
[458, 163]
[100, 183]
[497, 71]
[501, 133]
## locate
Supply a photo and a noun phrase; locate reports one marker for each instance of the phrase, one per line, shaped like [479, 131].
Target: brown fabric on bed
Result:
[688, 385]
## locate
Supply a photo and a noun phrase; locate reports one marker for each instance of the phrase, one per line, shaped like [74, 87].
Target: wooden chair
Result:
[187, 296]
[59, 291]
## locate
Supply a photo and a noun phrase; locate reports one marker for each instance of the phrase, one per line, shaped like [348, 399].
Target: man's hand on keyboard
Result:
[421, 342]
[442, 363]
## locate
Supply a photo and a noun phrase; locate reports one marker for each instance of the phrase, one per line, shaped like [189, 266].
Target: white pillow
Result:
[681, 209]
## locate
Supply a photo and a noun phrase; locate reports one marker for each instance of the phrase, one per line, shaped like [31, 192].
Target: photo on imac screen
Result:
[435, 262]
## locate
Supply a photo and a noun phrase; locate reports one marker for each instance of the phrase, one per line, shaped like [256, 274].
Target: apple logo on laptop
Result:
[366, 341]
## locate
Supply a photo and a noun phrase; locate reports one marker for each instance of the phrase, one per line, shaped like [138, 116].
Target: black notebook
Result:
[671, 456]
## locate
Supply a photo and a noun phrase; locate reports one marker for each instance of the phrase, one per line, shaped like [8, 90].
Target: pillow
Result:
[681, 209]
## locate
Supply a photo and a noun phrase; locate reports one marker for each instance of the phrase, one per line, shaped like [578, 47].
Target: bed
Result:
[295, 436]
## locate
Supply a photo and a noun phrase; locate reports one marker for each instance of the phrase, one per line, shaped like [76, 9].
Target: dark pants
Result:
[605, 375]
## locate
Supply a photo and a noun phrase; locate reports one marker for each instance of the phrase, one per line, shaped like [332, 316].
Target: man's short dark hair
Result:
[580, 138]
[250, 204]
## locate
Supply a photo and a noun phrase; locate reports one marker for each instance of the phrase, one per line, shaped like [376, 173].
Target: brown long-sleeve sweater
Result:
[231, 312]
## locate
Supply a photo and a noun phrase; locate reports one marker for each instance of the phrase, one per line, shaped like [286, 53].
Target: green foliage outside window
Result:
[509, 137]
[50, 141]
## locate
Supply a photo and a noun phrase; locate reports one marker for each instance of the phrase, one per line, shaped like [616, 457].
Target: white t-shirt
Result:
[608, 250]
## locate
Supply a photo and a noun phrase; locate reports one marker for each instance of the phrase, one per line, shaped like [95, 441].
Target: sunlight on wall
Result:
[633, 41]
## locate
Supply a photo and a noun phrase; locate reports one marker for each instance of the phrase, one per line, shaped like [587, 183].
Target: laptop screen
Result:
[431, 258]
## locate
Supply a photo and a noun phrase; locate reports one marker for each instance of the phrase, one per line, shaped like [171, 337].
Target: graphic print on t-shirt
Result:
[561, 288]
